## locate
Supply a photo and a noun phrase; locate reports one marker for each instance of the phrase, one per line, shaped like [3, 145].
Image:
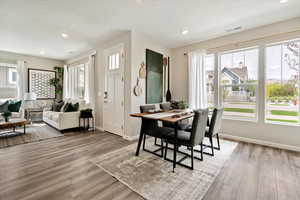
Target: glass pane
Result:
[110, 62]
[113, 61]
[238, 83]
[239, 67]
[282, 83]
[117, 61]
[210, 77]
[239, 101]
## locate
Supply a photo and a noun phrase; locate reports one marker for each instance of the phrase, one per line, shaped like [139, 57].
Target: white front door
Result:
[113, 109]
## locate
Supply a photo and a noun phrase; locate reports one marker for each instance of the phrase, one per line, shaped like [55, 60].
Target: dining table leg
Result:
[175, 146]
[140, 142]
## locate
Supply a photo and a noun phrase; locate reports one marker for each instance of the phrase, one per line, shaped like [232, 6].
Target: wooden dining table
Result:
[172, 116]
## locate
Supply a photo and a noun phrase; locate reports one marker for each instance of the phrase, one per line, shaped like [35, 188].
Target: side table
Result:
[30, 111]
[85, 120]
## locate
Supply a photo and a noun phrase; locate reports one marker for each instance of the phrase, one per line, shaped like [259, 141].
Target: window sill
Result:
[254, 120]
[282, 124]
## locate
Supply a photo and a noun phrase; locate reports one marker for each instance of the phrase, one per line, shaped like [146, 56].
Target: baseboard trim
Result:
[260, 142]
[99, 128]
[131, 138]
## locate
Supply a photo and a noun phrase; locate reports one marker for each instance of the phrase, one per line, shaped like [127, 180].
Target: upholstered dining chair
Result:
[181, 126]
[189, 139]
[150, 128]
[214, 129]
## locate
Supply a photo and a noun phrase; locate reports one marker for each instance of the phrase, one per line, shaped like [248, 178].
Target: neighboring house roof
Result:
[237, 74]
[242, 72]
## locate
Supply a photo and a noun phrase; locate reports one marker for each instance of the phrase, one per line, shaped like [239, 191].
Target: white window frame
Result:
[219, 85]
[265, 88]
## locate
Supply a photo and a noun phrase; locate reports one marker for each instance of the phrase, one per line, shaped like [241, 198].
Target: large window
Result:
[76, 81]
[282, 83]
[238, 83]
[8, 75]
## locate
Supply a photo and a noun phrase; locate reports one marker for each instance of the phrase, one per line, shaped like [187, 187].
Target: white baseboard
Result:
[260, 142]
[99, 128]
[131, 138]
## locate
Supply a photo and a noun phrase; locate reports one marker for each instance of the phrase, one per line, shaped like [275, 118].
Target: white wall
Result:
[32, 61]
[140, 43]
[135, 53]
[287, 135]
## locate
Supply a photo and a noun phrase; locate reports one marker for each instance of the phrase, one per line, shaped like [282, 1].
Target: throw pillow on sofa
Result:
[56, 107]
[71, 107]
[14, 106]
[4, 107]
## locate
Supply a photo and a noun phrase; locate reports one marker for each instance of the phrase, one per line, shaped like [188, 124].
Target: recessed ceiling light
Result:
[234, 29]
[42, 52]
[283, 1]
[64, 35]
[184, 31]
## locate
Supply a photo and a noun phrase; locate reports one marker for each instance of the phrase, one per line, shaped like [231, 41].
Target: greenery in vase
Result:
[179, 105]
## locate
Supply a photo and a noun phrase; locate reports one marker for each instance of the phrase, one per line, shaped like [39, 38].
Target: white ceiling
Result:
[29, 26]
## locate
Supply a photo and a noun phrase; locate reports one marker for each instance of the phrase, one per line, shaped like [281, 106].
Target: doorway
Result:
[113, 107]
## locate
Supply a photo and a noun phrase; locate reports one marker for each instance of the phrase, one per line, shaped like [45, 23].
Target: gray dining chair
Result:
[150, 128]
[214, 129]
[189, 139]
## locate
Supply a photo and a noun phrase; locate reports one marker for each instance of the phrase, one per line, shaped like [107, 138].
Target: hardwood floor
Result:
[60, 168]
[258, 172]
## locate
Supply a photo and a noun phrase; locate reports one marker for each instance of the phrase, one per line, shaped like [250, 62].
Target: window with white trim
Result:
[12, 76]
[8, 75]
[76, 81]
[114, 61]
[238, 82]
[282, 83]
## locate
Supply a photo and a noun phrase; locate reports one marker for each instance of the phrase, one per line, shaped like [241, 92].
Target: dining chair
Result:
[150, 128]
[189, 139]
[213, 130]
[181, 126]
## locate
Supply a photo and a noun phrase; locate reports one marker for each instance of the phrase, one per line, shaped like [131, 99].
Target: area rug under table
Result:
[152, 177]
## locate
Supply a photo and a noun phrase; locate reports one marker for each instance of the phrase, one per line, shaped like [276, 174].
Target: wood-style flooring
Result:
[60, 168]
[34, 132]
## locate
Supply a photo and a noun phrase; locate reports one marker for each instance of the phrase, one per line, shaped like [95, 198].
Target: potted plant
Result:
[58, 81]
[6, 115]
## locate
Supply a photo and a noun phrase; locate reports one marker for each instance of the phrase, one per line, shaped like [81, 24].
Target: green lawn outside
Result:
[240, 110]
[283, 112]
[275, 104]
[282, 120]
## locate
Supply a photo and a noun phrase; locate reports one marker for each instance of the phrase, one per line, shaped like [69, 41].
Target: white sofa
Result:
[63, 120]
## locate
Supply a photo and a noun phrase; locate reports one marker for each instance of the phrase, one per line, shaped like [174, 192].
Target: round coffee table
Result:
[13, 124]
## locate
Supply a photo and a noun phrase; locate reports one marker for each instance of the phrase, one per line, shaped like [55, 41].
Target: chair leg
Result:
[166, 150]
[201, 151]
[155, 141]
[219, 147]
[192, 157]
[162, 147]
[212, 145]
[144, 141]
